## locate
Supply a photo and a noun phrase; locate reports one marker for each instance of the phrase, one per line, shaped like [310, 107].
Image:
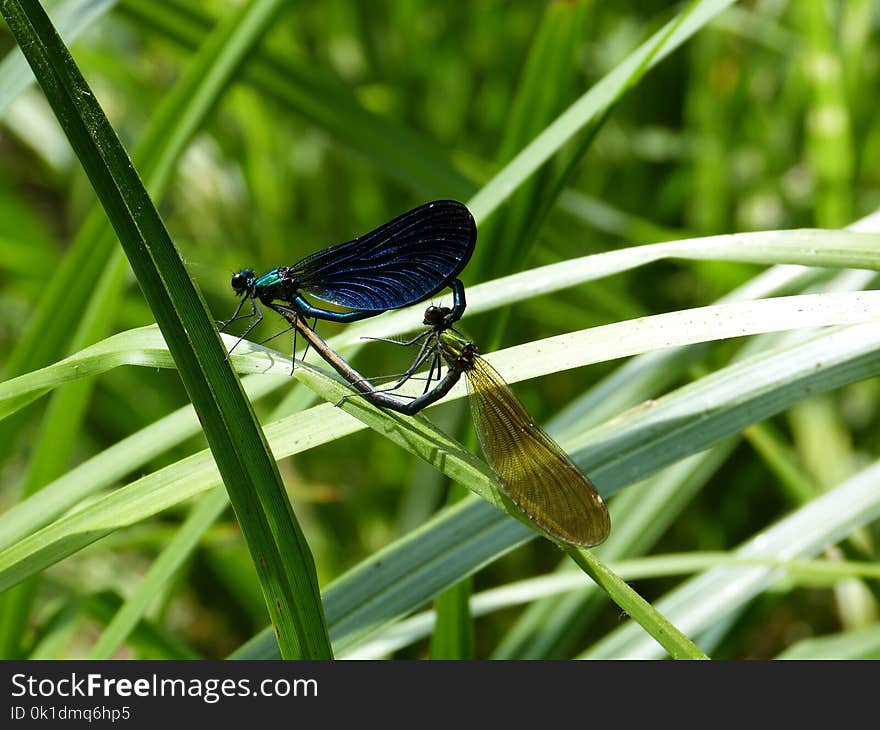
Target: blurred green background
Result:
[352, 112]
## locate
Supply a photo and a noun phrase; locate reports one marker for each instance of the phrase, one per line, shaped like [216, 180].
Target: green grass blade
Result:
[700, 602]
[821, 247]
[160, 573]
[551, 629]
[71, 17]
[649, 618]
[107, 468]
[323, 100]
[71, 302]
[280, 553]
[556, 585]
[182, 113]
[144, 346]
[593, 103]
[613, 456]
[859, 644]
[830, 248]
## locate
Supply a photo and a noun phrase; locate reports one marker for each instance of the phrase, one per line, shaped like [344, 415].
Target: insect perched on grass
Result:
[531, 468]
[401, 262]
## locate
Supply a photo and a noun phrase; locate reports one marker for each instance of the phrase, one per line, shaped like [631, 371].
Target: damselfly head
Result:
[243, 281]
[435, 316]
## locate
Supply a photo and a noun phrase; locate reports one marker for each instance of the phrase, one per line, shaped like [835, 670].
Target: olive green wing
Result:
[532, 468]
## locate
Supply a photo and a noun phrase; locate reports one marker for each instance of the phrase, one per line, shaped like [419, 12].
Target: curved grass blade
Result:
[551, 586]
[161, 571]
[711, 409]
[593, 103]
[71, 17]
[701, 414]
[143, 346]
[804, 247]
[110, 466]
[702, 601]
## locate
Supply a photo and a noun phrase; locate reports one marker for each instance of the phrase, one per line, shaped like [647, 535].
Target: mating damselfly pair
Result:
[403, 262]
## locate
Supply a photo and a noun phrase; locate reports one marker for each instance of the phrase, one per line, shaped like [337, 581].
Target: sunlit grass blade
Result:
[71, 17]
[160, 573]
[700, 602]
[859, 644]
[109, 467]
[637, 331]
[591, 105]
[730, 320]
[617, 456]
[557, 585]
[615, 460]
[828, 248]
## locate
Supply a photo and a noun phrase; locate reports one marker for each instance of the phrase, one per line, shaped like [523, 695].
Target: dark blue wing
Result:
[402, 262]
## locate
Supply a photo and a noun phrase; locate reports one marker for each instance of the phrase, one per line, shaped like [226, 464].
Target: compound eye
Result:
[239, 282]
[432, 315]
[436, 315]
